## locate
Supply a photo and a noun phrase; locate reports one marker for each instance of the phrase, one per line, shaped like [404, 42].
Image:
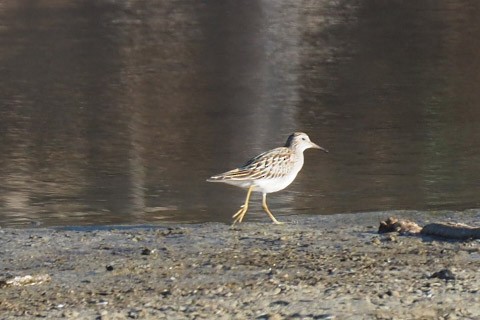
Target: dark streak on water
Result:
[115, 112]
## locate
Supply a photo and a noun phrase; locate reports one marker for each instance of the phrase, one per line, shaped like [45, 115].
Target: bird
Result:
[268, 172]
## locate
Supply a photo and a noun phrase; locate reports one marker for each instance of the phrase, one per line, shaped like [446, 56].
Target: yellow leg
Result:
[238, 217]
[265, 207]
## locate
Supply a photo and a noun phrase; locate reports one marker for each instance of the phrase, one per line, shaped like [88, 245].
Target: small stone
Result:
[146, 252]
[391, 238]
[109, 267]
[444, 274]
[279, 303]
[394, 293]
[165, 293]
[451, 316]
[324, 316]
[277, 291]
[71, 314]
[133, 314]
[270, 316]
[275, 316]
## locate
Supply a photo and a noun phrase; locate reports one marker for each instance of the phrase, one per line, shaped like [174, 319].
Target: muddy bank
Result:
[322, 267]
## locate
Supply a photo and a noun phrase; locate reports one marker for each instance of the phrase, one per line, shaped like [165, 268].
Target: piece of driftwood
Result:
[443, 230]
[393, 224]
[451, 230]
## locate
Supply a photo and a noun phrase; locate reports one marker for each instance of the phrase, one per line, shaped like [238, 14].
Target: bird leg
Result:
[238, 217]
[265, 207]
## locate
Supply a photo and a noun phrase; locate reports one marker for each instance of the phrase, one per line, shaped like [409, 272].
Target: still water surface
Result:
[117, 111]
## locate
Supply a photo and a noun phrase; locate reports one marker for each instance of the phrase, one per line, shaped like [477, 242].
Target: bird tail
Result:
[217, 178]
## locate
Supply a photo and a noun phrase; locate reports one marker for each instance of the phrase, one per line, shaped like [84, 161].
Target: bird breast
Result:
[279, 182]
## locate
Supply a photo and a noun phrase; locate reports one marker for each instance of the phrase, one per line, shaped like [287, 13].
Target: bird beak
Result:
[316, 146]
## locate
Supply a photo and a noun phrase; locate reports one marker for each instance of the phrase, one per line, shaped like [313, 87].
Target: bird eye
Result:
[303, 139]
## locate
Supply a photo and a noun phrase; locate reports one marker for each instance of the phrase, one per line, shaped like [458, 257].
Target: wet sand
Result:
[312, 267]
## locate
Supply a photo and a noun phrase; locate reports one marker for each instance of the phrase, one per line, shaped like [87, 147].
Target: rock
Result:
[146, 252]
[270, 316]
[71, 314]
[444, 274]
[277, 291]
[279, 303]
[133, 314]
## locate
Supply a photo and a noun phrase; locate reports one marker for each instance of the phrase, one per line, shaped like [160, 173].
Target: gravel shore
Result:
[312, 267]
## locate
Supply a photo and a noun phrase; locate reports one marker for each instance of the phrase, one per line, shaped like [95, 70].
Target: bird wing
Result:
[269, 164]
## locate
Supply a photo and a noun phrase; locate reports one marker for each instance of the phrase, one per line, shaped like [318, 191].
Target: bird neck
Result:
[296, 149]
[299, 159]
[297, 153]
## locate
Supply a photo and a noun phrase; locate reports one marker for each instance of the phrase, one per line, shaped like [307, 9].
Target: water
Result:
[116, 112]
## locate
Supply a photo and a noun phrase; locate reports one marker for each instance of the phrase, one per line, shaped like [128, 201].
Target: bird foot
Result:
[238, 213]
[238, 216]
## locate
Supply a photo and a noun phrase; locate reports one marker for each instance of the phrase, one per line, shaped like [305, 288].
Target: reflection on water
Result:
[117, 111]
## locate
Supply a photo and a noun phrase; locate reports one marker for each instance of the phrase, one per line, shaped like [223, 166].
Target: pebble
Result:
[72, 314]
[444, 274]
[277, 291]
[146, 252]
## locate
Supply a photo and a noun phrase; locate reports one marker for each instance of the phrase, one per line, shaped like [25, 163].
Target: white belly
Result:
[274, 185]
[277, 184]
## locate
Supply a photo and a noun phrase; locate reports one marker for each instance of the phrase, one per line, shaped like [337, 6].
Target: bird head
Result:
[301, 141]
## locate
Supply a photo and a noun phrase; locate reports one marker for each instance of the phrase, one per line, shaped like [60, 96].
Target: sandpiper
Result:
[268, 172]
